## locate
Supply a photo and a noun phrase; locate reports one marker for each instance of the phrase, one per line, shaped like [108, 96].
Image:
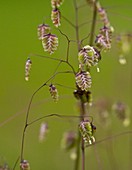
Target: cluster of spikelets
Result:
[49, 43]
[103, 39]
[90, 56]
[55, 13]
[87, 57]
[49, 40]
[86, 129]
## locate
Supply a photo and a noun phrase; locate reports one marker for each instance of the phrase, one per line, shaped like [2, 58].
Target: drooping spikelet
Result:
[124, 47]
[27, 68]
[83, 80]
[50, 43]
[24, 165]
[53, 92]
[43, 29]
[123, 112]
[56, 3]
[104, 38]
[102, 14]
[43, 131]
[87, 130]
[69, 140]
[88, 56]
[55, 17]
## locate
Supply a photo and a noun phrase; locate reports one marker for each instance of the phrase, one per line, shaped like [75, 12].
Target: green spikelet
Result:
[83, 80]
[88, 56]
[55, 17]
[24, 165]
[84, 96]
[50, 43]
[43, 29]
[124, 47]
[54, 92]
[87, 130]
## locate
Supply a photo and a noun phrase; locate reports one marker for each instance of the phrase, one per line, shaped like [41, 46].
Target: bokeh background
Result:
[18, 39]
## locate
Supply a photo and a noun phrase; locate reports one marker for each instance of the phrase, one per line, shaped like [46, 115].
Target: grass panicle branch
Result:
[88, 57]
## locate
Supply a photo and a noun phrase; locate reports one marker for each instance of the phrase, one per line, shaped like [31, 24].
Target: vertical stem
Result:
[80, 141]
[82, 147]
[130, 103]
[76, 25]
[93, 23]
[83, 155]
[76, 166]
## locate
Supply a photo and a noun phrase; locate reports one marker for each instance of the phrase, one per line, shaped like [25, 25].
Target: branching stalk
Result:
[28, 110]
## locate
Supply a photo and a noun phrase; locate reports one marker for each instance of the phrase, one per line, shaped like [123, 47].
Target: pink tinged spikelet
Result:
[24, 165]
[55, 17]
[27, 68]
[43, 29]
[43, 131]
[50, 43]
[54, 92]
[102, 14]
[83, 80]
[104, 38]
[56, 3]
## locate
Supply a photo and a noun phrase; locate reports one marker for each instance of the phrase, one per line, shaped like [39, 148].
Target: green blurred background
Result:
[18, 39]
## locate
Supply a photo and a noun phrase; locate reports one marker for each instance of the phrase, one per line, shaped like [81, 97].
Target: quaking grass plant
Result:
[89, 51]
